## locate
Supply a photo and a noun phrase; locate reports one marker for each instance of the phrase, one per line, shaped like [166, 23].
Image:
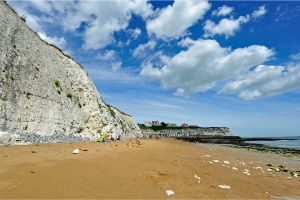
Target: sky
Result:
[211, 63]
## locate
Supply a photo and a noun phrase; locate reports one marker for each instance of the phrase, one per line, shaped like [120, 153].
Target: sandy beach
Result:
[120, 170]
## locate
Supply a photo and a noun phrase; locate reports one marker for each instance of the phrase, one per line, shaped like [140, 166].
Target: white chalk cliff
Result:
[45, 92]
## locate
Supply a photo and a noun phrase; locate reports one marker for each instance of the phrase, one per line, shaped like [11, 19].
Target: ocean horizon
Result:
[282, 143]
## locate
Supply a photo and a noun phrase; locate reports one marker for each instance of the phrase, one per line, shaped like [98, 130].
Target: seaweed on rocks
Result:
[287, 152]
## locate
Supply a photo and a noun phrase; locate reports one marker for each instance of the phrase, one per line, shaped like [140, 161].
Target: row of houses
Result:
[157, 123]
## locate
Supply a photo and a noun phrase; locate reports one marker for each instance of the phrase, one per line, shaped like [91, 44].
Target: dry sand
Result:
[115, 170]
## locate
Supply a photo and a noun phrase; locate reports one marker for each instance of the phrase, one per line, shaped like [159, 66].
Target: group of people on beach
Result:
[108, 138]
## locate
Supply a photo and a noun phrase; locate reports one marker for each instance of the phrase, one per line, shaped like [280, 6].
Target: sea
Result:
[282, 143]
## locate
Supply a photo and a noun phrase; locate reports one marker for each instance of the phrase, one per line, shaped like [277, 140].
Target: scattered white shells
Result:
[197, 177]
[269, 170]
[295, 175]
[210, 162]
[247, 173]
[224, 186]
[216, 161]
[206, 156]
[234, 168]
[242, 163]
[170, 192]
[76, 151]
[277, 170]
[226, 162]
[257, 168]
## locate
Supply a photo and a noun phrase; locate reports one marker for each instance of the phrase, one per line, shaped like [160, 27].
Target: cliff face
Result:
[45, 92]
[179, 132]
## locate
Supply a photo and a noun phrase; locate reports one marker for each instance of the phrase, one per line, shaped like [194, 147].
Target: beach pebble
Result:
[170, 192]
[295, 175]
[76, 151]
[269, 170]
[246, 170]
[234, 168]
[216, 161]
[242, 163]
[277, 170]
[226, 162]
[206, 156]
[224, 186]
[210, 162]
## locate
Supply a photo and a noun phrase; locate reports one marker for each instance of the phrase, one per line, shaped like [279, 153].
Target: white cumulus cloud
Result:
[140, 50]
[295, 56]
[222, 11]
[265, 81]
[174, 20]
[259, 12]
[229, 26]
[203, 64]
[226, 26]
[58, 41]
[108, 55]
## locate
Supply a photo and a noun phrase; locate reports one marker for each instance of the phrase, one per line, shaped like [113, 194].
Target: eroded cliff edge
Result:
[45, 92]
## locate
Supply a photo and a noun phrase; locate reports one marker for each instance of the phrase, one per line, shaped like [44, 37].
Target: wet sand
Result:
[116, 170]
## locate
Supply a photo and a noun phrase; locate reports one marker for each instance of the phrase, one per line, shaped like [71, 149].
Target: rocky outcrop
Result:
[45, 92]
[181, 132]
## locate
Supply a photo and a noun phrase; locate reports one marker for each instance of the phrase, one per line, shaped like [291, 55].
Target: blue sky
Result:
[234, 64]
